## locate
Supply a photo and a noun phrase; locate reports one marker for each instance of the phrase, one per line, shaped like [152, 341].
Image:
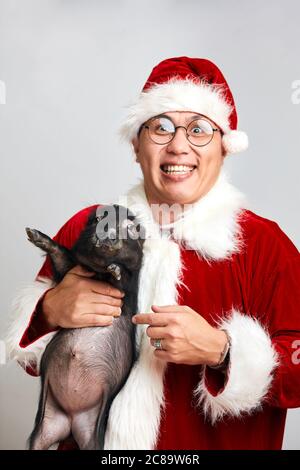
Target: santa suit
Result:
[240, 272]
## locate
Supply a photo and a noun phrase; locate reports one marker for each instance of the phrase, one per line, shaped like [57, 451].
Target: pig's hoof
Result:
[37, 238]
[115, 270]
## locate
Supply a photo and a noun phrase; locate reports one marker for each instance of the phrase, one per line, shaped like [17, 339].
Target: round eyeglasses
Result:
[162, 130]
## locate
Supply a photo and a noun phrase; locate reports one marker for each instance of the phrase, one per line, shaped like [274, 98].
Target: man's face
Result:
[188, 188]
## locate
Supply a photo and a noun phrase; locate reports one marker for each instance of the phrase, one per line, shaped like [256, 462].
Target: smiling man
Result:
[218, 315]
[179, 167]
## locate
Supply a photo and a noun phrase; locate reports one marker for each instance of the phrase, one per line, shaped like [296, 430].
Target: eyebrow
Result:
[195, 116]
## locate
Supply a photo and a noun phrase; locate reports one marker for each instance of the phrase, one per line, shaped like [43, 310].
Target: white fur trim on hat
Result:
[235, 141]
[252, 362]
[183, 95]
[178, 95]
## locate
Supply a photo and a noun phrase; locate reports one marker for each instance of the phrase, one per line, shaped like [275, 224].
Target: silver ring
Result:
[157, 344]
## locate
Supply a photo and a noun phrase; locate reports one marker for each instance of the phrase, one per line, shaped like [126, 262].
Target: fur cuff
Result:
[252, 361]
[22, 309]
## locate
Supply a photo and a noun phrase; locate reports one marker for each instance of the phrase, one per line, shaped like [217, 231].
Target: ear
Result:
[224, 153]
[135, 144]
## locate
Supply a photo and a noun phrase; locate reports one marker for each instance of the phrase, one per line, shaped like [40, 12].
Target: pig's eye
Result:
[130, 226]
[126, 223]
[132, 230]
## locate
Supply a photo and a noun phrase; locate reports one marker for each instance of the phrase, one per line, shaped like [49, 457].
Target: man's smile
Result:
[177, 172]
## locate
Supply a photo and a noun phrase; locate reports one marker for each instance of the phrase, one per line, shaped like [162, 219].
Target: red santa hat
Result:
[187, 84]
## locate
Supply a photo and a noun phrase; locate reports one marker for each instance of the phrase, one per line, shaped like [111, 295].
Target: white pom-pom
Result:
[235, 141]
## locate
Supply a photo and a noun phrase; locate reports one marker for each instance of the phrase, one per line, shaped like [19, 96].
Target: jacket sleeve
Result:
[264, 365]
[28, 334]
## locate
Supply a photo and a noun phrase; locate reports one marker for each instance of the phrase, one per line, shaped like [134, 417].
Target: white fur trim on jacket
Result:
[135, 413]
[184, 95]
[252, 361]
[22, 309]
[210, 226]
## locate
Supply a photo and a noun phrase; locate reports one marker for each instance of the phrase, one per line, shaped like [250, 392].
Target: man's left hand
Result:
[186, 337]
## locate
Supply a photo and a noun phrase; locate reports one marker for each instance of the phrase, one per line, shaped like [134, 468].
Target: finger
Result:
[90, 319]
[163, 355]
[153, 319]
[104, 299]
[101, 287]
[156, 332]
[164, 344]
[167, 308]
[103, 309]
[81, 271]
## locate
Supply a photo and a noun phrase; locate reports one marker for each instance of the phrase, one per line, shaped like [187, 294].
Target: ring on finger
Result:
[157, 343]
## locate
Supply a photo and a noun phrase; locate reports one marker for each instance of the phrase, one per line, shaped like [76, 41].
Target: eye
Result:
[129, 225]
[161, 126]
[200, 128]
[197, 130]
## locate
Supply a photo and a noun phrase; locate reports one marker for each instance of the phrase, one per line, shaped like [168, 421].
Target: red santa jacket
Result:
[240, 272]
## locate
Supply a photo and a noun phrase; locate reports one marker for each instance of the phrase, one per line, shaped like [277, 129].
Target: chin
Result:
[176, 197]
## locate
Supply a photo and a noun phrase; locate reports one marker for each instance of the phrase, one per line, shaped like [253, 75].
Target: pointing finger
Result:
[154, 319]
[167, 308]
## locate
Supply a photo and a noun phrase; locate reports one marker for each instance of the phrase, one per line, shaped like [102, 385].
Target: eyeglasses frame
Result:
[214, 129]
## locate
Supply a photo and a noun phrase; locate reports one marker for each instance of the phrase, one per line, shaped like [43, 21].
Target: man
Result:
[218, 312]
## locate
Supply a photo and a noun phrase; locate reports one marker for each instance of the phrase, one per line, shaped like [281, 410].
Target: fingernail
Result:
[133, 320]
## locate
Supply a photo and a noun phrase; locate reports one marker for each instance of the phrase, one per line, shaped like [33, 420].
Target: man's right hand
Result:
[78, 301]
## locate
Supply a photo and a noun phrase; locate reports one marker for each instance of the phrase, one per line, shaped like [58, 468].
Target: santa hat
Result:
[187, 84]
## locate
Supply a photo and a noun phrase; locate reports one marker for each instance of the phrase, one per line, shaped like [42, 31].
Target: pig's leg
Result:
[60, 256]
[84, 429]
[55, 426]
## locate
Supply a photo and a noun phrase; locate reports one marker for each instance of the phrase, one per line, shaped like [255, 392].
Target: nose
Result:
[109, 235]
[179, 144]
[109, 239]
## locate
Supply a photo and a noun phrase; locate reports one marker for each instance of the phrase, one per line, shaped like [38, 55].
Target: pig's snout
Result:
[108, 241]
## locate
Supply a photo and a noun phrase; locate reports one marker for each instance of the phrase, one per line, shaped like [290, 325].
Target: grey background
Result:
[70, 67]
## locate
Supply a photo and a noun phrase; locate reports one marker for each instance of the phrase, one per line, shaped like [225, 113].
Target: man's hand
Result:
[78, 301]
[187, 338]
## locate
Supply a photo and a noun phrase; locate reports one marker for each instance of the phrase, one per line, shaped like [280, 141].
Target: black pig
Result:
[83, 369]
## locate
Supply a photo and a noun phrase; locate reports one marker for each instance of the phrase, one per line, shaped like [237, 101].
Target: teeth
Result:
[177, 168]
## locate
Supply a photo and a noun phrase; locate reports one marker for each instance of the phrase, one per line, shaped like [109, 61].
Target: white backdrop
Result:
[69, 67]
